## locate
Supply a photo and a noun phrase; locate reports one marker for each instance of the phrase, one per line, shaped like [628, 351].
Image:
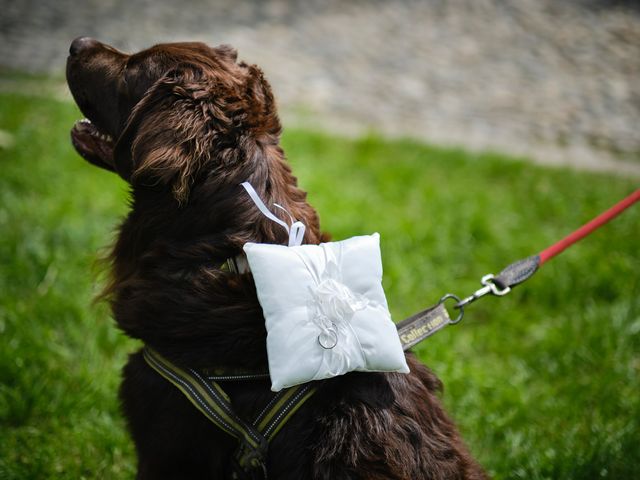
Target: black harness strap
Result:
[249, 460]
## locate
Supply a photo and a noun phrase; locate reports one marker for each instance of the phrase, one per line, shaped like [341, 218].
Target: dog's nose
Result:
[81, 43]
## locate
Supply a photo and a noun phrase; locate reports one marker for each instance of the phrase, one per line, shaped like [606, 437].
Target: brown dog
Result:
[185, 124]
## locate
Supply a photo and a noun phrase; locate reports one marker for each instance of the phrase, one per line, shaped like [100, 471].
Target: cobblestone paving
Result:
[558, 81]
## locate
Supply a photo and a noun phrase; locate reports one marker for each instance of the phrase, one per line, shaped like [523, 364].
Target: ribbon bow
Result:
[297, 228]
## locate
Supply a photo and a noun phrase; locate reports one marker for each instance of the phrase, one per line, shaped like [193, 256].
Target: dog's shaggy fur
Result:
[188, 124]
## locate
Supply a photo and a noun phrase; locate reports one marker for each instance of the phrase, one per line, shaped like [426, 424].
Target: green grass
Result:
[543, 383]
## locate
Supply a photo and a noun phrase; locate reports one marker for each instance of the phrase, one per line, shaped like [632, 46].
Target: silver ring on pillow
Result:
[328, 339]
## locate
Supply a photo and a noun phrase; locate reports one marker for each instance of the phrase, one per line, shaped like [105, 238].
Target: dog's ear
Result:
[171, 132]
[262, 118]
[190, 115]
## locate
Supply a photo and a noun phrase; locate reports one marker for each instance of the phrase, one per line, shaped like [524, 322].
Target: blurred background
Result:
[469, 133]
[555, 81]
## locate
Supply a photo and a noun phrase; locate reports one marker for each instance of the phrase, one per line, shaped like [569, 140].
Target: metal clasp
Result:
[457, 299]
[489, 287]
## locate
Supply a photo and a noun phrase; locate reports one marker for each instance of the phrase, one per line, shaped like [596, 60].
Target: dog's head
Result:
[170, 116]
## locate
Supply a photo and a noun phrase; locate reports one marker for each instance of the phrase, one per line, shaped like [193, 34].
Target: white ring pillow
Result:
[324, 307]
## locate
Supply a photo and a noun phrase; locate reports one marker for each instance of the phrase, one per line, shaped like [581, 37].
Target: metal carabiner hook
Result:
[489, 287]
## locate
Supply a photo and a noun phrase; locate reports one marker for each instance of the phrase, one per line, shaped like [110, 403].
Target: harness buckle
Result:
[250, 463]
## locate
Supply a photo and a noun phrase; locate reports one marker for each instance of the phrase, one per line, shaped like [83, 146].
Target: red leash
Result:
[585, 230]
[521, 270]
[427, 322]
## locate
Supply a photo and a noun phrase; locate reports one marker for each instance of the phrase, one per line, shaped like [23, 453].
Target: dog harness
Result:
[249, 461]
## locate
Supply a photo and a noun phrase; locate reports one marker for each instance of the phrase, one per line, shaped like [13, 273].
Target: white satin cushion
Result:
[315, 295]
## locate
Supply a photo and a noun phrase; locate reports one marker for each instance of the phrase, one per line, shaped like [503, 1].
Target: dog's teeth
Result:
[94, 132]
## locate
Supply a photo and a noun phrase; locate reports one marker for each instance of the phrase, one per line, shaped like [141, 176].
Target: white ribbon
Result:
[297, 228]
[332, 304]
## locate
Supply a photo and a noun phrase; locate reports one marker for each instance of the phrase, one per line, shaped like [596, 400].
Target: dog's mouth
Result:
[92, 144]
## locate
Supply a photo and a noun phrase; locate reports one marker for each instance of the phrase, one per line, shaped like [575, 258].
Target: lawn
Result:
[543, 383]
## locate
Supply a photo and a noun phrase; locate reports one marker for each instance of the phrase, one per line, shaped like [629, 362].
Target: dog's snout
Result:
[80, 44]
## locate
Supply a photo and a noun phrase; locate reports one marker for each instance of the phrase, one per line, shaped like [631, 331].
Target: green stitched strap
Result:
[283, 406]
[213, 402]
[228, 266]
